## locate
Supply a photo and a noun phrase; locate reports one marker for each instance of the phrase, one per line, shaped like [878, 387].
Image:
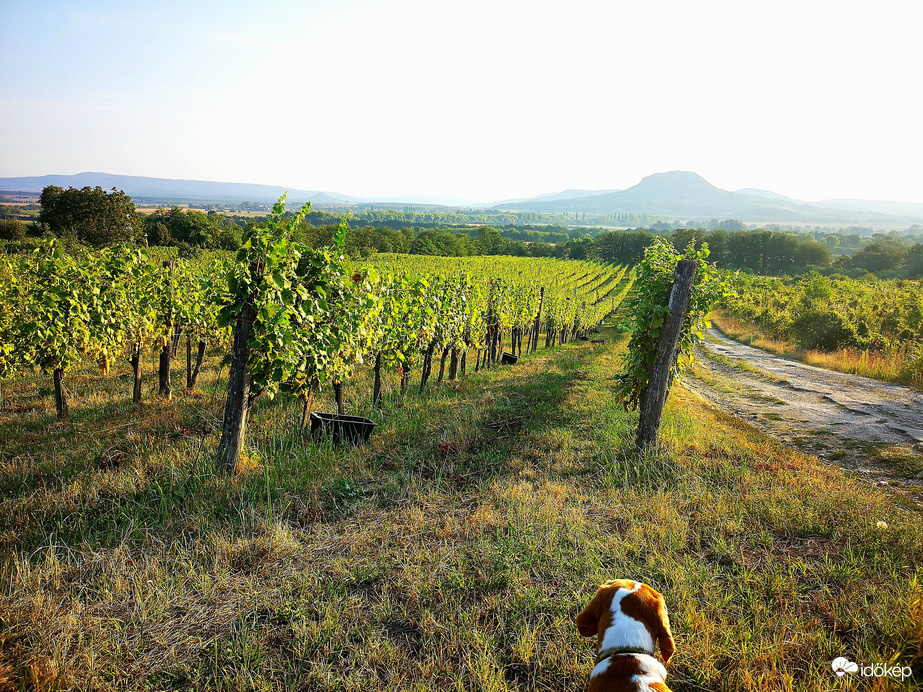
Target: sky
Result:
[483, 100]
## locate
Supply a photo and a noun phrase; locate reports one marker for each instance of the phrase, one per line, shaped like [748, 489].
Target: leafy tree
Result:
[178, 226]
[622, 247]
[89, 215]
[438, 242]
[915, 261]
[285, 331]
[886, 253]
[489, 241]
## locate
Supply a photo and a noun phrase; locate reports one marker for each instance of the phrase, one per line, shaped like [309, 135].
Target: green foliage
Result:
[9, 317]
[400, 319]
[89, 215]
[827, 313]
[12, 229]
[310, 320]
[75, 305]
[885, 254]
[188, 228]
[648, 310]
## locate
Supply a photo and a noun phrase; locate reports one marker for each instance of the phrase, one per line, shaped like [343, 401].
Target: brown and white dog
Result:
[628, 618]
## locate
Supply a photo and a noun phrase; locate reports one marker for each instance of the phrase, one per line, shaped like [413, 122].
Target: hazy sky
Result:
[480, 99]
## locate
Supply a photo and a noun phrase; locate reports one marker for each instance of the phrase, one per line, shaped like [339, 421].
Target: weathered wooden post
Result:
[338, 397]
[200, 356]
[188, 360]
[655, 394]
[60, 394]
[237, 407]
[376, 391]
[166, 354]
[136, 369]
[538, 317]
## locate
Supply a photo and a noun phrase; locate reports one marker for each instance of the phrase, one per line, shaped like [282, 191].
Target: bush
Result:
[824, 330]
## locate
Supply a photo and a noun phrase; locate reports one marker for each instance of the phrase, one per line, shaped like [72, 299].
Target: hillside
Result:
[143, 189]
[676, 194]
[688, 195]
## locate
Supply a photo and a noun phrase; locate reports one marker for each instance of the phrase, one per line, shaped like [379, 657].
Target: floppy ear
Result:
[588, 619]
[662, 630]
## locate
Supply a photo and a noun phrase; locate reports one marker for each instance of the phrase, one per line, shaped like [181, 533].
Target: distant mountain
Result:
[680, 195]
[154, 189]
[686, 195]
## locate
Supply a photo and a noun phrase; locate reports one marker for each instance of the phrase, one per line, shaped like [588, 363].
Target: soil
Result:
[869, 428]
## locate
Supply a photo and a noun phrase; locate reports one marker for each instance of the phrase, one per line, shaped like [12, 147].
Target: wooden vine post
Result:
[166, 354]
[237, 408]
[654, 396]
[538, 319]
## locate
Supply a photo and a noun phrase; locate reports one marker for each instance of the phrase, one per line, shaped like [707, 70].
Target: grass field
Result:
[450, 553]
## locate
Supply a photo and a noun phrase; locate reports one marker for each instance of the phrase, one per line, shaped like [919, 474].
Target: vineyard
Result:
[453, 549]
[873, 328]
[292, 320]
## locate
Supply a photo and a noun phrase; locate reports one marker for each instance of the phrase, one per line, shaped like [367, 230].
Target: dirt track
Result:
[863, 425]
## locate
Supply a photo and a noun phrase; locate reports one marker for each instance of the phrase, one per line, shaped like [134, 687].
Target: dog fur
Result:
[625, 614]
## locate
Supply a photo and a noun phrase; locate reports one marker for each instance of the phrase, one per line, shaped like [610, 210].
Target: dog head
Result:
[624, 613]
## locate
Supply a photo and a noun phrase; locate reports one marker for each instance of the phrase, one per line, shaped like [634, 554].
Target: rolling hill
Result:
[675, 194]
[153, 189]
[688, 195]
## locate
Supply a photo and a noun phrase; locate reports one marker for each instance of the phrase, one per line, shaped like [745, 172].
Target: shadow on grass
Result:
[457, 434]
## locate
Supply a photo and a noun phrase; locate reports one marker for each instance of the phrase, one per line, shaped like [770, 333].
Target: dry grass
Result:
[451, 553]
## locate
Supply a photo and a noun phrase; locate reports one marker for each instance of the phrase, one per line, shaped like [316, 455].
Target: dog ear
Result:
[662, 629]
[588, 619]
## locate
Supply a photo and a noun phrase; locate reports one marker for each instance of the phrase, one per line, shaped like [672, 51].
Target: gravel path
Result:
[866, 426]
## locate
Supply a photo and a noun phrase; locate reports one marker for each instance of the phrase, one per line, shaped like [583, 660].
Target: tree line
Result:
[98, 218]
[764, 252]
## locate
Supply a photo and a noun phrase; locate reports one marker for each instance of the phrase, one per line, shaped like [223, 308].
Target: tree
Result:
[489, 241]
[178, 226]
[12, 229]
[90, 215]
[915, 261]
[886, 253]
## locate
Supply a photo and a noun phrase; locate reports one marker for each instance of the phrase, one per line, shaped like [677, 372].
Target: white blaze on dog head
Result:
[627, 614]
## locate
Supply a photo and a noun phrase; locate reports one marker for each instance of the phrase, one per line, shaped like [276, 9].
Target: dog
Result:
[628, 619]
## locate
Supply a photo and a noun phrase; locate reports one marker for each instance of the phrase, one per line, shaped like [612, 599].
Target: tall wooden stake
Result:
[166, 354]
[654, 396]
[237, 408]
[376, 391]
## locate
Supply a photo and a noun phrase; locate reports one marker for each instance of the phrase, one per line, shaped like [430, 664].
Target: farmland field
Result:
[452, 551]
